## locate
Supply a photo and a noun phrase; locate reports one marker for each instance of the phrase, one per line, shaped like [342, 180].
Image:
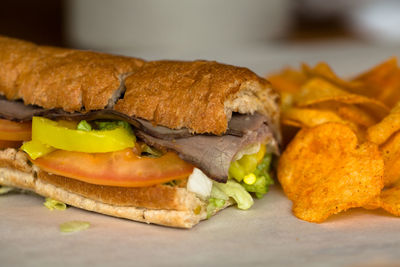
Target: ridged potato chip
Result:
[325, 171]
[348, 112]
[318, 90]
[310, 117]
[391, 157]
[306, 117]
[325, 72]
[381, 82]
[390, 200]
[288, 80]
[381, 132]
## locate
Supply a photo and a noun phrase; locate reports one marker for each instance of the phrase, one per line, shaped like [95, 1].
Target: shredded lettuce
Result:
[110, 125]
[150, 151]
[218, 193]
[261, 186]
[84, 126]
[236, 191]
[5, 189]
[53, 204]
[213, 205]
[262, 169]
[74, 226]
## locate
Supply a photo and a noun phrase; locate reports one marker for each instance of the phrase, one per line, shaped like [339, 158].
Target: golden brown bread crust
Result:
[181, 208]
[180, 94]
[151, 197]
[199, 95]
[15, 159]
[174, 218]
[60, 78]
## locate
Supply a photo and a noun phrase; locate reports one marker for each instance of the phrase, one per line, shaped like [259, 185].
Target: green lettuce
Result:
[84, 126]
[110, 125]
[263, 181]
[213, 205]
[236, 191]
[5, 189]
[53, 204]
[74, 226]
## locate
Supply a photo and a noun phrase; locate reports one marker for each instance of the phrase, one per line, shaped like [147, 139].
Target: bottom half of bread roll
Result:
[169, 205]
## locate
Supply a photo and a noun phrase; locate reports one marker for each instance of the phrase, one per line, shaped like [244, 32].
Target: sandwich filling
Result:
[134, 153]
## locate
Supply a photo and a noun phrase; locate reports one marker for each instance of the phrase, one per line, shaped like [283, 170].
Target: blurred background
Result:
[263, 35]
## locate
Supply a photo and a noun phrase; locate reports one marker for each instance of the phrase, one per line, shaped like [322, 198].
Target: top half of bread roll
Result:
[198, 95]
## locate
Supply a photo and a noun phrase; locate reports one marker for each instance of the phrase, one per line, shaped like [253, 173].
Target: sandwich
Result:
[163, 142]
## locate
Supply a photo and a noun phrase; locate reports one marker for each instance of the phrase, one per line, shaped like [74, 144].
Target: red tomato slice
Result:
[10, 144]
[120, 168]
[15, 131]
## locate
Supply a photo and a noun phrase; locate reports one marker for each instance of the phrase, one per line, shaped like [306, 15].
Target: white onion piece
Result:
[199, 184]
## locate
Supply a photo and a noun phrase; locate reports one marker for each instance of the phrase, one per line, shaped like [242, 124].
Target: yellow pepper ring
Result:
[96, 141]
[250, 179]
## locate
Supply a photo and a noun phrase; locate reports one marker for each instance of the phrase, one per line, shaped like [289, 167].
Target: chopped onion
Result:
[199, 184]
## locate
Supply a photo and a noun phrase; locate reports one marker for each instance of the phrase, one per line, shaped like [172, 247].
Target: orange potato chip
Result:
[288, 80]
[390, 200]
[372, 80]
[288, 133]
[381, 132]
[325, 171]
[354, 113]
[324, 71]
[391, 157]
[308, 117]
[318, 90]
[390, 90]
[374, 203]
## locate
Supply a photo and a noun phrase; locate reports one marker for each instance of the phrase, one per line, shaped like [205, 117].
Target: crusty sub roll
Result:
[198, 97]
[159, 204]
[61, 78]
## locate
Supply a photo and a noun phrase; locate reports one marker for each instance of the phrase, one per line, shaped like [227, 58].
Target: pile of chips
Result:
[342, 139]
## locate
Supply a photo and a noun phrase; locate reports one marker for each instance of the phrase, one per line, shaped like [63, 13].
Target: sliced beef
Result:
[17, 111]
[212, 154]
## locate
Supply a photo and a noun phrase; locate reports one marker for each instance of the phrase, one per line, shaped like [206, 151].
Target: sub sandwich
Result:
[163, 142]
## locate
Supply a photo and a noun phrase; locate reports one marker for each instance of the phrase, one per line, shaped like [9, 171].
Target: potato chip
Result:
[324, 71]
[288, 80]
[288, 133]
[390, 91]
[373, 204]
[318, 91]
[381, 132]
[324, 171]
[390, 200]
[306, 117]
[391, 157]
[354, 113]
[372, 80]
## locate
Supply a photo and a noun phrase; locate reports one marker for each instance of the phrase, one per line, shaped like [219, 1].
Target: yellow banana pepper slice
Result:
[59, 136]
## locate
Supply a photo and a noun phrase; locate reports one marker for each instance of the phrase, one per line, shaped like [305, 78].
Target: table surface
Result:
[268, 234]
